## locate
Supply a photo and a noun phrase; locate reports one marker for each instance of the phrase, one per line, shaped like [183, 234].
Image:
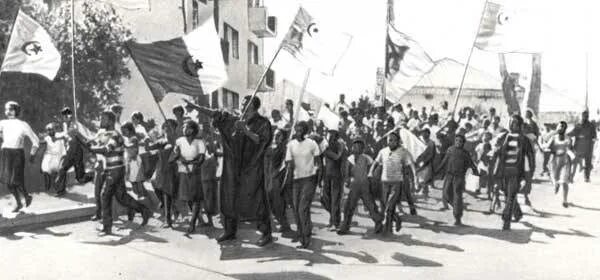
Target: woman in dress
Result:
[189, 153]
[134, 166]
[561, 148]
[54, 151]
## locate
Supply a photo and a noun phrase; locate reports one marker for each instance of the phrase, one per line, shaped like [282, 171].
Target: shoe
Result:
[96, 218]
[565, 204]
[104, 231]
[60, 194]
[458, 223]
[527, 202]
[130, 216]
[17, 208]
[146, 215]
[342, 232]
[398, 223]
[477, 191]
[506, 226]
[413, 211]
[285, 228]
[587, 180]
[264, 240]
[191, 229]
[226, 237]
[304, 245]
[28, 200]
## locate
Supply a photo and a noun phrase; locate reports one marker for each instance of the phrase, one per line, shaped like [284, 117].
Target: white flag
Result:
[406, 62]
[329, 118]
[30, 49]
[508, 29]
[315, 44]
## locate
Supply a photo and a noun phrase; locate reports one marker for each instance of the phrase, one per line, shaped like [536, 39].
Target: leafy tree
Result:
[100, 60]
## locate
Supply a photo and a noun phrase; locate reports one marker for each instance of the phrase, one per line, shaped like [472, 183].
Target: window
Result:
[253, 3]
[252, 53]
[230, 99]
[195, 14]
[231, 35]
[215, 99]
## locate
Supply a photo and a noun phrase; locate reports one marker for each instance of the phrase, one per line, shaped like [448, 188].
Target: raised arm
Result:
[201, 109]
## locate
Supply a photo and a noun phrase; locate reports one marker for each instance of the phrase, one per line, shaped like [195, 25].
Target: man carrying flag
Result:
[191, 65]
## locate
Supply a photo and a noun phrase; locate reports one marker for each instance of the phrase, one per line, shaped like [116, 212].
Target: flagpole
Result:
[12, 28]
[73, 58]
[388, 21]
[294, 118]
[262, 78]
[586, 81]
[462, 81]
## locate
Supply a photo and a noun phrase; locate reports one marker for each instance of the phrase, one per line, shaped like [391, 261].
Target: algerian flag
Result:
[30, 49]
[315, 44]
[191, 65]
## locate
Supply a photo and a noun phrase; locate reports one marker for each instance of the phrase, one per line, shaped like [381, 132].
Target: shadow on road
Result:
[407, 260]
[135, 234]
[33, 234]
[279, 275]
[552, 233]
[583, 207]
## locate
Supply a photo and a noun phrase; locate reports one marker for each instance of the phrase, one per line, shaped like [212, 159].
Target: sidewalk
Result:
[46, 209]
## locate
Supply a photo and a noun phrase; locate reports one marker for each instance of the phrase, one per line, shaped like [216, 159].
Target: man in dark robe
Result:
[585, 136]
[243, 196]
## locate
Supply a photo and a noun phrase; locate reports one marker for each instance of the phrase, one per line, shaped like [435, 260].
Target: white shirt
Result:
[392, 163]
[55, 148]
[142, 135]
[189, 151]
[303, 154]
[13, 133]
[279, 124]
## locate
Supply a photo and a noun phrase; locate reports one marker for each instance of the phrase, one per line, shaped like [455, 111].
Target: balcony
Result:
[254, 73]
[260, 23]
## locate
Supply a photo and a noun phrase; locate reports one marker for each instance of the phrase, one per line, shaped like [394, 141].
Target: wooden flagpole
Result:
[462, 81]
[388, 20]
[260, 81]
[73, 59]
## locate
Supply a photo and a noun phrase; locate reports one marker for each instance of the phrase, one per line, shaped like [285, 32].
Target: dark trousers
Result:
[99, 180]
[511, 187]
[302, 195]
[360, 191]
[454, 186]
[74, 158]
[546, 161]
[392, 194]
[581, 159]
[279, 199]
[332, 199]
[115, 187]
[209, 191]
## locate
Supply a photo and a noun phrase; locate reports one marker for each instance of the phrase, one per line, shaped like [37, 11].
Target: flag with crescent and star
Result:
[191, 65]
[30, 49]
[315, 44]
[405, 62]
[510, 28]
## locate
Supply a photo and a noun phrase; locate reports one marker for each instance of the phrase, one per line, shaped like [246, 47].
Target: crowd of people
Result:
[246, 167]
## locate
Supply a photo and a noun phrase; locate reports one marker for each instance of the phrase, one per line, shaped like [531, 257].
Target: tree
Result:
[100, 61]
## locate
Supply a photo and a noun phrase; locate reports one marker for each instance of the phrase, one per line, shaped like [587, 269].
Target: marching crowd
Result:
[251, 168]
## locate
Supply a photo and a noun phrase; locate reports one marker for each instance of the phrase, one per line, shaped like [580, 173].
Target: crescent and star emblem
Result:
[191, 66]
[312, 29]
[32, 48]
[503, 18]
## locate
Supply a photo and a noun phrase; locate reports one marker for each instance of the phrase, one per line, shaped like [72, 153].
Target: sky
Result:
[446, 28]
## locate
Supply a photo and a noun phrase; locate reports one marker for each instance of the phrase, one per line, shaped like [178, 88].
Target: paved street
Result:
[551, 242]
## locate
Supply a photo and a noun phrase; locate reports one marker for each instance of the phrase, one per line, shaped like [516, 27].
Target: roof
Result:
[447, 73]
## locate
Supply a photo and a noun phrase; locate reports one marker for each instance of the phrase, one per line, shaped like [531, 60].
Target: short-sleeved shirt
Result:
[359, 168]
[142, 135]
[189, 151]
[303, 154]
[392, 163]
[585, 134]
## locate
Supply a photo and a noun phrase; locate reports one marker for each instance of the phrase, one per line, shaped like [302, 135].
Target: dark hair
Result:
[359, 142]
[193, 125]
[110, 116]
[178, 108]
[461, 136]
[14, 106]
[304, 126]
[426, 130]
[255, 101]
[116, 108]
[518, 118]
[275, 111]
[66, 111]
[138, 116]
[128, 126]
[394, 134]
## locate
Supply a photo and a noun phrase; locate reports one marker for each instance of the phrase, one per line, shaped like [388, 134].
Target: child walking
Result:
[54, 151]
[456, 162]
